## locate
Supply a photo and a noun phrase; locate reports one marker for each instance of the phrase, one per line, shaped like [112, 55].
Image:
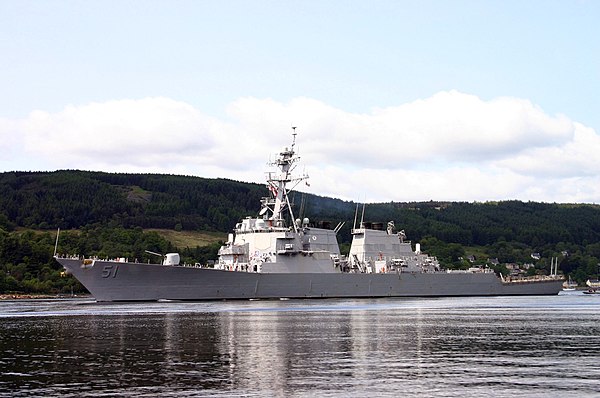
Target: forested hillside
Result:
[71, 199]
[106, 213]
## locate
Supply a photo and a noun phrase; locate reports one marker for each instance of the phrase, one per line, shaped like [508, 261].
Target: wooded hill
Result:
[109, 212]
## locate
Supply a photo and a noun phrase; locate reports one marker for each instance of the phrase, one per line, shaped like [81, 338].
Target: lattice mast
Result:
[277, 182]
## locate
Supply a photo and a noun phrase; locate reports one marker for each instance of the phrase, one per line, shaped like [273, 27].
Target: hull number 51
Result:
[110, 271]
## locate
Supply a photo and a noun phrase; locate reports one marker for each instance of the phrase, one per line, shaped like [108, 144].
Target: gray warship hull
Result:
[276, 255]
[119, 281]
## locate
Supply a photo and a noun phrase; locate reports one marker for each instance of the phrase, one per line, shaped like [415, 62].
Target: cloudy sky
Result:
[393, 100]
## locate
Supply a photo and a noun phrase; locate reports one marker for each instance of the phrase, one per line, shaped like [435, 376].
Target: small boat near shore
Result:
[591, 291]
[593, 287]
[570, 285]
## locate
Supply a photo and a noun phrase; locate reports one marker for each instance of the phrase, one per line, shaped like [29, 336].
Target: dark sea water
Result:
[448, 347]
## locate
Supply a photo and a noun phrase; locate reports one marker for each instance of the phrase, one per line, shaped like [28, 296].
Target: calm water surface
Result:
[447, 347]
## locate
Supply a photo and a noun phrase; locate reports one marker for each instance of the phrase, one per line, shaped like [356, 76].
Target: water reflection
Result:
[301, 348]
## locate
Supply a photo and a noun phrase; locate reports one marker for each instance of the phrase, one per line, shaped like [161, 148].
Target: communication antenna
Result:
[302, 205]
[362, 217]
[294, 135]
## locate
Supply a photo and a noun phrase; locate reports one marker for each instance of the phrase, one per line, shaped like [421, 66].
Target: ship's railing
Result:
[83, 257]
[70, 256]
[472, 270]
[528, 279]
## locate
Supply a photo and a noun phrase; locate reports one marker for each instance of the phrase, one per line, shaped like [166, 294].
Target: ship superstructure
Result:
[382, 251]
[275, 241]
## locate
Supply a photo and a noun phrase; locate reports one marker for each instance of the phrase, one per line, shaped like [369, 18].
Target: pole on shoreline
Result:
[56, 243]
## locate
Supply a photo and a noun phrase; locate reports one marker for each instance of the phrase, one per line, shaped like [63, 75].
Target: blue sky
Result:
[394, 100]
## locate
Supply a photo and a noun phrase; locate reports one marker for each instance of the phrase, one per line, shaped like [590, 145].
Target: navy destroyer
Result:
[275, 255]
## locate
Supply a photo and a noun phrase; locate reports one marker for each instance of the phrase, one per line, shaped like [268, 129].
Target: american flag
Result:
[273, 189]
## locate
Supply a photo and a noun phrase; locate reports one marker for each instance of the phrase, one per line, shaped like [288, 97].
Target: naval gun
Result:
[168, 259]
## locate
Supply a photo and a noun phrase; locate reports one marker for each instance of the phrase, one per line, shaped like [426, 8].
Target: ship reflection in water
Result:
[519, 346]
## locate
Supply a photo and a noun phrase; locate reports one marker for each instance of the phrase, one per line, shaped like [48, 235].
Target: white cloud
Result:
[577, 157]
[450, 146]
[144, 133]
